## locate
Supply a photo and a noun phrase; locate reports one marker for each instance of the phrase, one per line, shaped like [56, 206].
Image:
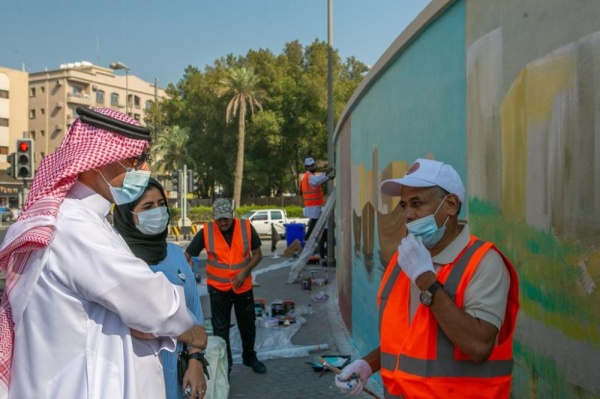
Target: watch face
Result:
[425, 297]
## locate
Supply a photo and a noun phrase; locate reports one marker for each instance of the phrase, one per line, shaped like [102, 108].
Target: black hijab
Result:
[150, 248]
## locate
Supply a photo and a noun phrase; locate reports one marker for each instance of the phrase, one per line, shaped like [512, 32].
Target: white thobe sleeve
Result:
[95, 262]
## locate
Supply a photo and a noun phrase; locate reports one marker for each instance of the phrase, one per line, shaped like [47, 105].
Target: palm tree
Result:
[242, 85]
[170, 150]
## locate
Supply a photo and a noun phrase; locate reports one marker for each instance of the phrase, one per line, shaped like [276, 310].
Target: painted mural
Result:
[508, 92]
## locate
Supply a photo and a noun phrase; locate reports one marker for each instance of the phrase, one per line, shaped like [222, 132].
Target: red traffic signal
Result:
[23, 146]
[24, 157]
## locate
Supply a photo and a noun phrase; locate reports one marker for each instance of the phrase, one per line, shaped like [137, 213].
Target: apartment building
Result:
[54, 95]
[13, 125]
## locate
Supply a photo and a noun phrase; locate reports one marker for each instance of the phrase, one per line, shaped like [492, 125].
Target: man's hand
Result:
[352, 379]
[414, 258]
[239, 278]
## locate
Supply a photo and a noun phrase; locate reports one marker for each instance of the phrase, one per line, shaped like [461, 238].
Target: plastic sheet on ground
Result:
[273, 342]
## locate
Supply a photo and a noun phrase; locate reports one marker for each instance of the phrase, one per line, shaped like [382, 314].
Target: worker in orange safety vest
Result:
[448, 301]
[233, 250]
[312, 193]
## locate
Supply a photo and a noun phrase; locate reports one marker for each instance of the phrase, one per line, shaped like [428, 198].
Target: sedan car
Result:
[6, 214]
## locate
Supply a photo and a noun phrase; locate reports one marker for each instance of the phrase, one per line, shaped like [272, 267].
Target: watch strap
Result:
[200, 357]
[434, 287]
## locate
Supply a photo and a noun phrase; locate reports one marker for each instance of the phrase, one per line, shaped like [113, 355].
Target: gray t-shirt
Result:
[487, 292]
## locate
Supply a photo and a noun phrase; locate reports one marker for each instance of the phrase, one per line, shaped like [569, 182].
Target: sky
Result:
[160, 38]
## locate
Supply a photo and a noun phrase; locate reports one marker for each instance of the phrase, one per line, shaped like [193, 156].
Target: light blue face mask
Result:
[134, 184]
[427, 229]
[153, 221]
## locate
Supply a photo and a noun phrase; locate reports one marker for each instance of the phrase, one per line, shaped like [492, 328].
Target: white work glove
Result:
[353, 377]
[414, 258]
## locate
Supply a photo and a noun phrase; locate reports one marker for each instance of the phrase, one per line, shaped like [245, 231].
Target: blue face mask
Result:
[153, 221]
[427, 229]
[134, 184]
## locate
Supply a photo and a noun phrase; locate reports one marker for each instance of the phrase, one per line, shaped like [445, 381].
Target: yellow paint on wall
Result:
[528, 105]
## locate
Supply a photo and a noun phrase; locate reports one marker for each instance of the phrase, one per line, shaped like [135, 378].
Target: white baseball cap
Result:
[309, 161]
[426, 173]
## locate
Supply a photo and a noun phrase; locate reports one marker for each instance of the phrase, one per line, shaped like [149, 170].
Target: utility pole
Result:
[330, 153]
[185, 221]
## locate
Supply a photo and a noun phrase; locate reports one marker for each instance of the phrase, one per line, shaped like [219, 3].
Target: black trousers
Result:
[221, 303]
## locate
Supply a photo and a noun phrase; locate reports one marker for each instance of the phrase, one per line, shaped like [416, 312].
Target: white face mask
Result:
[427, 228]
[153, 221]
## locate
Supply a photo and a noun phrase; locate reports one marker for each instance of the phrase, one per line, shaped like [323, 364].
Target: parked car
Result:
[262, 219]
[6, 214]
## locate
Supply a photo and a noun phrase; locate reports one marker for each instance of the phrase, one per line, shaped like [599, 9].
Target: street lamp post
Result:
[120, 66]
[330, 153]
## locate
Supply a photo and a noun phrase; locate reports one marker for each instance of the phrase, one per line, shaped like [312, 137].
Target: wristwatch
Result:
[426, 297]
[200, 357]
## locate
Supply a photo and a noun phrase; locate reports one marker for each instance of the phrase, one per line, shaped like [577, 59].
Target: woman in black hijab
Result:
[143, 224]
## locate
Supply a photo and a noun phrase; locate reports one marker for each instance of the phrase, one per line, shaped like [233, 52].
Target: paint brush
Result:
[331, 367]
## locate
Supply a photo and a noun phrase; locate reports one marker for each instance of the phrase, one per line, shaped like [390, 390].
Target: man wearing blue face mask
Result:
[448, 301]
[76, 296]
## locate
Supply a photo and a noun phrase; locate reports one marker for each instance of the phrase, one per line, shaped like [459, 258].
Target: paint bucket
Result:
[307, 284]
[277, 309]
[259, 306]
[288, 306]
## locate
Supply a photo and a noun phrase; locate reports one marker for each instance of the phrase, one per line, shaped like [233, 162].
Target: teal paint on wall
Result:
[417, 107]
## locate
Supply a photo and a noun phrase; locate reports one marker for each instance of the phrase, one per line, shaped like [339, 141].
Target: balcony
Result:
[79, 98]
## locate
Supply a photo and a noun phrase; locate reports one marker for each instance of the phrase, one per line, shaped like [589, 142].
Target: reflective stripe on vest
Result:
[213, 266]
[445, 365]
[312, 196]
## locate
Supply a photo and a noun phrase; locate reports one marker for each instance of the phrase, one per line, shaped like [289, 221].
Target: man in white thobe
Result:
[75, 293]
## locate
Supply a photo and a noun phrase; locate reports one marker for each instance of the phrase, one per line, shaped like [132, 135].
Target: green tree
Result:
[241, 85]
[170, 151]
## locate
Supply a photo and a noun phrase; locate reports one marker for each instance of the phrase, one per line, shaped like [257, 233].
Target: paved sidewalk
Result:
[292, 377]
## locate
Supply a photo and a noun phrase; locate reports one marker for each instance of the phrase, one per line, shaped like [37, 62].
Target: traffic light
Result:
[11, 164]
[24, 158]
[175, 181]
[192, 181]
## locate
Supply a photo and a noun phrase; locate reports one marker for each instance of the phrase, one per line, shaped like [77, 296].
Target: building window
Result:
[32, 134]
[114, 99]
[3, 93]
[32, 92]
[42, 133]
[42, 111]
[32, 114]
[43, 89]
[137, 102]
[4, 122]
[99, 97]
[136, 117]
[149, 104]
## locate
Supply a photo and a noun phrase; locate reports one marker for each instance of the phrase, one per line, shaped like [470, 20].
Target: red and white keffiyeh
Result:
[84, 148]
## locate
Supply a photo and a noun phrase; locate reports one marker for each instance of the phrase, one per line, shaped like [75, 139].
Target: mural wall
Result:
[508, 92]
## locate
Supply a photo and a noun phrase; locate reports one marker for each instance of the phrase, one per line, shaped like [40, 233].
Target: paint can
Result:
[277, 309]
[307, 284]
[288, 306]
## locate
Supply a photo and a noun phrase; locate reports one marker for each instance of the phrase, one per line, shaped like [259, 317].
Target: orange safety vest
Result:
[225, 262]
[312, 196]
[417, 358]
